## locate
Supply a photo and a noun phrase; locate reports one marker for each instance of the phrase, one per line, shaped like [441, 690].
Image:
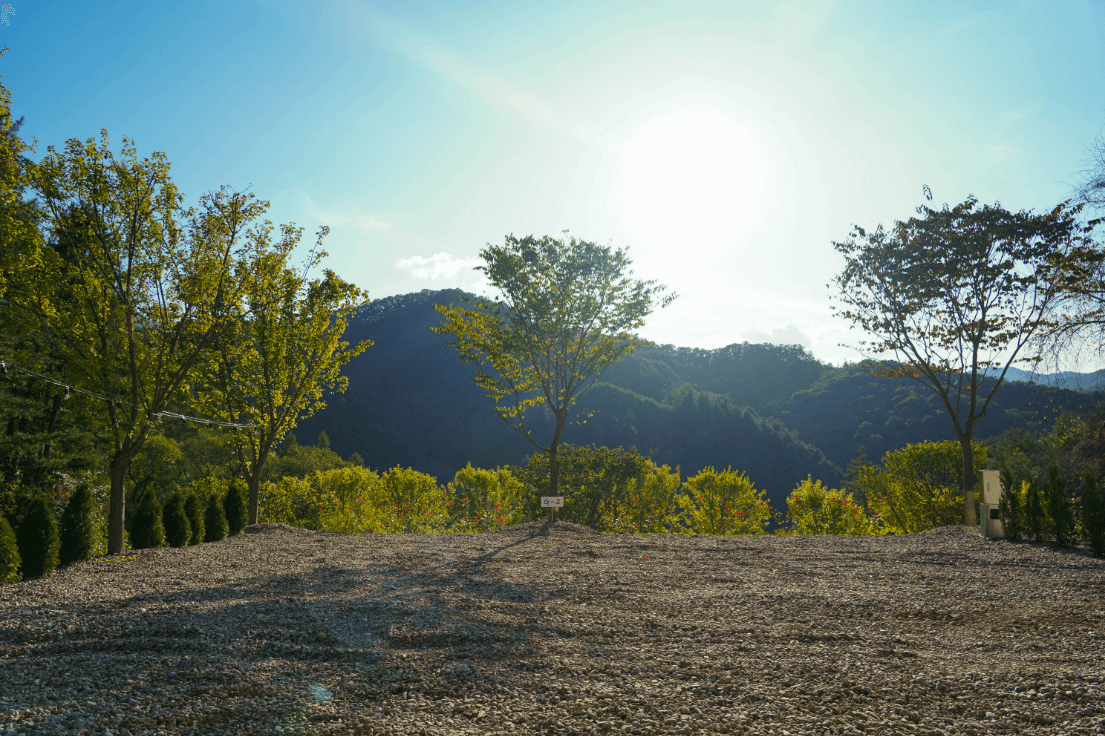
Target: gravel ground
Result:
[560, 630]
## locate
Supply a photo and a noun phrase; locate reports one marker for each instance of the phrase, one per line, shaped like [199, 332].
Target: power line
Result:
[173, 415]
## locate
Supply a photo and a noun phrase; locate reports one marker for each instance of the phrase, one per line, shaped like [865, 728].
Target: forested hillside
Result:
[771, 411]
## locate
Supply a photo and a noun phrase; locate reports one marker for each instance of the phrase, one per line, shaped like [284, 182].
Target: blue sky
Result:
[726, 144]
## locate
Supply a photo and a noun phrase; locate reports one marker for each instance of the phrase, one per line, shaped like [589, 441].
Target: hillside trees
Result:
[958, 291]
[564, 316]
[272, 368]
[126, 296]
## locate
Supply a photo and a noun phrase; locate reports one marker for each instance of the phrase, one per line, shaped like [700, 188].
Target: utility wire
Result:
[5, 365]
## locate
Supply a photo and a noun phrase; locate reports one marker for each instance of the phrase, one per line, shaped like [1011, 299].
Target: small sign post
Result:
[552, 503]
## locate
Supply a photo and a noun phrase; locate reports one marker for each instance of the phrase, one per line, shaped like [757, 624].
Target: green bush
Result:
[723, 503]
[1058, 506]
[214, 520]
[9, 553]
[1009, 508]
[147, 529]
[413, 501]
[79, 528]
[1093, 515]
[234, 506]
[814, 509]
[1034, 510]
[480, 500]
[193, 508]
[37, 537]
[178, 529]
[603, 488]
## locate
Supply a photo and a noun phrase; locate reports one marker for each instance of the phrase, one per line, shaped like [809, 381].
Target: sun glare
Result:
[693, 173]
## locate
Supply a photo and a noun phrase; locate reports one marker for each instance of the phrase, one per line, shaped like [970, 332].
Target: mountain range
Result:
[772, 411]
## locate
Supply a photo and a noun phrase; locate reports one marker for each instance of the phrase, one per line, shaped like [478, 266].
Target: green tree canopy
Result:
[919, 486]
[956, 294]
[127, 296]
[565, 314]
[272, 369]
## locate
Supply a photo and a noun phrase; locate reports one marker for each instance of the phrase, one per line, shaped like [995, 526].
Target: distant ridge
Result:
[1094, 381]
[772, 411]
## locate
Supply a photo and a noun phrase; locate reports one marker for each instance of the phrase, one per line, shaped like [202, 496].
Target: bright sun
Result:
[692, 174]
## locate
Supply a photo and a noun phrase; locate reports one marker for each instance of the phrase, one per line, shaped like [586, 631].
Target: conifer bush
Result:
[1058, 506]
[193, 507]
[1093, 516]
[148, 529]
[1034, 510]
[178, 530]
[79, 529]
[37, 537]
[9, 553]
[214, 519]
[1009, 508]
[235, 508]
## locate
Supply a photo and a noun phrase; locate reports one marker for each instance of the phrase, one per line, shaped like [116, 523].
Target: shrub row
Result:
[1043, 508]
[37, 546]
[610, 491]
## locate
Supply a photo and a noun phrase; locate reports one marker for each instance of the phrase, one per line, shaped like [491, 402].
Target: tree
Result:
[602, 482]
[919, 486]
[128, 297]
[1091, 188]
[34, 415]
[954, 296]
[20, 236]
[564, 315]
[273, 369]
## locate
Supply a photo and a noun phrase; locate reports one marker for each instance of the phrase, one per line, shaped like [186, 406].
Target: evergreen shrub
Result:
[147, 530]
[1009, 508]
[37, 537]
[234, 506]
[178, 529]
[9, 553]
[1093, 515]
[193, 507]
[1058, 506]
[1034, 510]
[79, 528]
[214, 520]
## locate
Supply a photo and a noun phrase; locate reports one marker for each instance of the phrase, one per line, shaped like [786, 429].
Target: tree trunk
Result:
[561, 416]
[553, 515]
[120, 464]
[253, 479]
[970, 515]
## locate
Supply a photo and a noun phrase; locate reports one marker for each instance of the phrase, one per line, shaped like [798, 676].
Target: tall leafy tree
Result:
[128, 296]
[33, 412]
[955, 294]
[20, 236]
[274, 367]
[564, 315]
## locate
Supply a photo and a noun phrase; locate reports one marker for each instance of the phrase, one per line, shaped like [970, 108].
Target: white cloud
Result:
[788, 335]
[436, 267]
